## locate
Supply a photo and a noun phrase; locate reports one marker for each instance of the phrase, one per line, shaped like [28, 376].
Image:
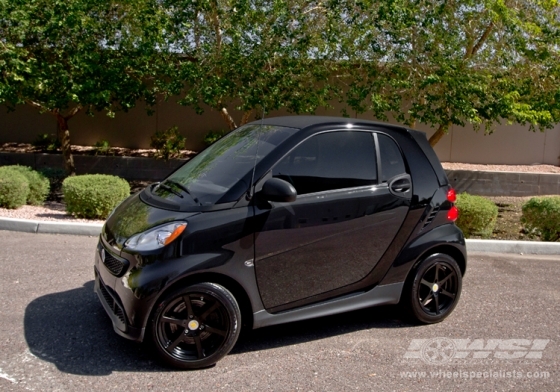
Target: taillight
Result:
[453, 214]
[451, 195]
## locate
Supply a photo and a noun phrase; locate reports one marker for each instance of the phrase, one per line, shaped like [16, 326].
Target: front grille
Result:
[116, 266]
[431, 217]
[113, 305]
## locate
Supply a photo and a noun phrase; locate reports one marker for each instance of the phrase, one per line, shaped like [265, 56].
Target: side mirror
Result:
[275, 189]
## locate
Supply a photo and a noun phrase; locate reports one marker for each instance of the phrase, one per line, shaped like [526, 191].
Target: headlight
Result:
[155, 238]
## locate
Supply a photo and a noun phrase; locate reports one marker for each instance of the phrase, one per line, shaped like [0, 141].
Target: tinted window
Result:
[327, 161]
[223, 167]
[392, 163]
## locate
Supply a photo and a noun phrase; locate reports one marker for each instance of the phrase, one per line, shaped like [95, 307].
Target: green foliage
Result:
[477, 215]
[213, 136]
[254, 56]
[102, 147]
[451, 63]
[38, 184]
[62, 57]
[93, 196]
[542, 214]
[168, 143]
[14, 189]
[46, 142]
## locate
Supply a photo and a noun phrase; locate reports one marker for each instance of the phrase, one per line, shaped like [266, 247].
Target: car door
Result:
[343, 220]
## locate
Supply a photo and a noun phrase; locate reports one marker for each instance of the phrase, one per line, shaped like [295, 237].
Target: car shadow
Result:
[71, 330]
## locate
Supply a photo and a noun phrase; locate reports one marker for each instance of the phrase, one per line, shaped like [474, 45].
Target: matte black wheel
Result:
[196, 326]
[434, 289]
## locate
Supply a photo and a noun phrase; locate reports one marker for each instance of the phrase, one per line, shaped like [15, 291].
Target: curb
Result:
[46, 227]
[94, 229]
[519, 247]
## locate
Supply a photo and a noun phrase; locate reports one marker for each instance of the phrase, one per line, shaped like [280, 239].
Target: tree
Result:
[63, 57]
[446, 63]
[251, 55]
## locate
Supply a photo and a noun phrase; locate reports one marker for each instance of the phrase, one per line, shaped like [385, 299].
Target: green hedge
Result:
[542, 214]
[477, 215]
[14, 189]
[39, 185]
[93, 196]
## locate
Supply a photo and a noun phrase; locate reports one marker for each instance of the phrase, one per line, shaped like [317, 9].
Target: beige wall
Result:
[512, 144]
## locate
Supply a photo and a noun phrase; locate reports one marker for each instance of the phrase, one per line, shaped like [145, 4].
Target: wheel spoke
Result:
[198, 347]
[215, 330]
[447, 293]
[174, 344]
[171, 320]
[436, 299]
[446, 279]
[436, 279]
[427, 300]
[215, 306]
[188, 304]
[426, 283]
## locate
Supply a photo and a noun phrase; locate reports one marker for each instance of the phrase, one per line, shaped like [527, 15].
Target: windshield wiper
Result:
[169, 189]
[183, 188]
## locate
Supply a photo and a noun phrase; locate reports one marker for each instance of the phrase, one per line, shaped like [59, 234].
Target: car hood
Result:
[133, 216]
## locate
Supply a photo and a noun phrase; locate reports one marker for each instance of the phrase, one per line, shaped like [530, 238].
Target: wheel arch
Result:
[448, 250]
[227, 282]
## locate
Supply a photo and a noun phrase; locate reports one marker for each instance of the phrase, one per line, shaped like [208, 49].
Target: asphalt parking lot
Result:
[503, 335]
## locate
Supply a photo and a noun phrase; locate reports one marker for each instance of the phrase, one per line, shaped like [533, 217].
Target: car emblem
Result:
[103, 255]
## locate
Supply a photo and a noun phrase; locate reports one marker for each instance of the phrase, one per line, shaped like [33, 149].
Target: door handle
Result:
[400, 186]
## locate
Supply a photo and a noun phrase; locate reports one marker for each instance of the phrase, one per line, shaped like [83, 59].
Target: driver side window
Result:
[329, 161]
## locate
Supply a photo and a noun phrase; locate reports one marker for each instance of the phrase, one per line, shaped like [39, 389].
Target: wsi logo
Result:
[438, 351]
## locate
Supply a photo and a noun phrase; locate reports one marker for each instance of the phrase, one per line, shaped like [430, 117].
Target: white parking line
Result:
[7, 377]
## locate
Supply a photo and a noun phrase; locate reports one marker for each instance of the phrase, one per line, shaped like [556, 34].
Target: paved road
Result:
[54, 335]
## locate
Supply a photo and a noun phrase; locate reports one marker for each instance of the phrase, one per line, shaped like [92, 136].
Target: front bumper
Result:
[115, 310]
[123, 308]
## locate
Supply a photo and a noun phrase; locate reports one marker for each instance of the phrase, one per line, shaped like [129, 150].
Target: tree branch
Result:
[246, 116]
[474, 50]
[34, 104]
[441, 131]
[73, 112]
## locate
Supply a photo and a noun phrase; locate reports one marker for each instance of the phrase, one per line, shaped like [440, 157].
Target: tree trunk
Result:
[228, 119]
[246, 117]
[64, 137]
[441, 131]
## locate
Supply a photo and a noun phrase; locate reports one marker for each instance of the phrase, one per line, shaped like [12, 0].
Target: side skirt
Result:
[379, 295]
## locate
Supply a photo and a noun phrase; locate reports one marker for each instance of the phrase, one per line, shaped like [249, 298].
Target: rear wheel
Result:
[434, 289]
[196, 326]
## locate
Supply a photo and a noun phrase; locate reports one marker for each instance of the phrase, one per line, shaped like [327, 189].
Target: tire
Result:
[196, 326]
[433, 289]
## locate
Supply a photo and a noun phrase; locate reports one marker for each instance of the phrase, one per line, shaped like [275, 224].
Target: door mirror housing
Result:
[278, 190]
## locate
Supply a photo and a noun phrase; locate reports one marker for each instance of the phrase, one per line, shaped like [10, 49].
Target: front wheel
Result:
[196, 326]
[434, 289]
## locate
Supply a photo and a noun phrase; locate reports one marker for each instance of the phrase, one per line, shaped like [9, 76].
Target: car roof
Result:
[307, 121]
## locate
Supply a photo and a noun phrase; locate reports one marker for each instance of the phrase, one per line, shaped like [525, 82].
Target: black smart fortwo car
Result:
[283, 219]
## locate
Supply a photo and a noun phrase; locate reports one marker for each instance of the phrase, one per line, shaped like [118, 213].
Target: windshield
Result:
[222, 172]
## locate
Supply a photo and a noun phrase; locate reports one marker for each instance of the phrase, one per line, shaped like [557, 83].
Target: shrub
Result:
[46, 142]
[213, 136]
[102, 147]
[542, 215]
[93, 196]
[14, 189]
[39, 185]
[477, 215]
[168, 144]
